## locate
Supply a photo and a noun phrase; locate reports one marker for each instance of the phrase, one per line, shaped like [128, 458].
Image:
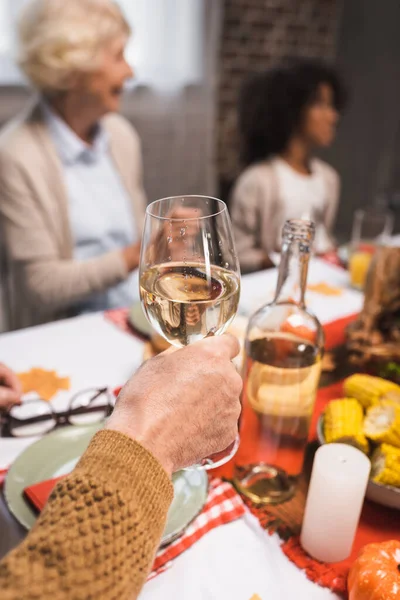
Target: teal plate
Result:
[58, 452]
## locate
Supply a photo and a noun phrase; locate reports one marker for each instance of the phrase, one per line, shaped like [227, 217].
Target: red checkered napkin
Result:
[223, 506]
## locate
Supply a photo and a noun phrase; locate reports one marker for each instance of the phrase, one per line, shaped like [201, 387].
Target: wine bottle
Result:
[283, 351]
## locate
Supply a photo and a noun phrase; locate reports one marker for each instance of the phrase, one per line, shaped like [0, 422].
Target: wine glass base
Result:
[219, 459]
[264, 484]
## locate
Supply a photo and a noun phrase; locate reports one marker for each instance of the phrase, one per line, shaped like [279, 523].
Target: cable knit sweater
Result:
[97, 536]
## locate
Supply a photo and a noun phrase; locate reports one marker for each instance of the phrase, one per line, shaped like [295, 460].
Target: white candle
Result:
[335, 497]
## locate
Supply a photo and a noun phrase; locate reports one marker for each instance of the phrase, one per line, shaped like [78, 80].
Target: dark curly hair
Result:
[271, 105]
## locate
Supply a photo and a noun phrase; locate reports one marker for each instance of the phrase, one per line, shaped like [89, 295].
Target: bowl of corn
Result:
[368, 417]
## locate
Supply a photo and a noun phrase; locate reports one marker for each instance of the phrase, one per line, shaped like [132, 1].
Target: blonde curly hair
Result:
[59, 38]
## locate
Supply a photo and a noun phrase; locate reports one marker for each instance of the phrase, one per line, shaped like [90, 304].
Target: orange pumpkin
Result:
[375, 575]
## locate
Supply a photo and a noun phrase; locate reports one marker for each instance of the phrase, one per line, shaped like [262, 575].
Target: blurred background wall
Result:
[367, 150]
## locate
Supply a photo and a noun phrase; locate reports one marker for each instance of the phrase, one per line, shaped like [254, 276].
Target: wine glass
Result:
[189, 274]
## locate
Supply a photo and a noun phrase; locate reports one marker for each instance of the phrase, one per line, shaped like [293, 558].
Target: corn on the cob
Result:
[382, 424]
[367, 389]
[343, 422]
[386, 465]
[392, 396]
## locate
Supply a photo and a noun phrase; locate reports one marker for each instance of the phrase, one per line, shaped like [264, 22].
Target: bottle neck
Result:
[293, 271]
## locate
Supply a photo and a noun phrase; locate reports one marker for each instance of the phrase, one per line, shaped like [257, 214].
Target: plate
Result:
[381, 494]
[137, 319]
[57, 454]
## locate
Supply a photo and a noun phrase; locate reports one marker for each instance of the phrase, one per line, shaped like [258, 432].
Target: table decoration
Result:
[377, 524]
[324, 289]
[335, 496]
[43, 382]
[376, 573]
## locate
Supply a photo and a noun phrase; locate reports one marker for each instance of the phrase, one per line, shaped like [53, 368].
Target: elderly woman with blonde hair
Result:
[71, 195]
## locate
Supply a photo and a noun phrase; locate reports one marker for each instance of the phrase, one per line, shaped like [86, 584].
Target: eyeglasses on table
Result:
[37, 417]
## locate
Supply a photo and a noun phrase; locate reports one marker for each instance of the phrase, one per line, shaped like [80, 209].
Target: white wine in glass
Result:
[189, 271]
[185, 303]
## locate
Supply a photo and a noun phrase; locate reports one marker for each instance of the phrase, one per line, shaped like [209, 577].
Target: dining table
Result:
[234, 561]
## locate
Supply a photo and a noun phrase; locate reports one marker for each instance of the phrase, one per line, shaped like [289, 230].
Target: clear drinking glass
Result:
[189, 272]
[283, 350]
[371, 229]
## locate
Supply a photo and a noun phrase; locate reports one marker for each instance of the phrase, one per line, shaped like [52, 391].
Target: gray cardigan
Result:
[44, 280]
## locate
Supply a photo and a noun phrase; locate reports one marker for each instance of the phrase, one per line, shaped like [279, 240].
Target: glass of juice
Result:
[371, 229]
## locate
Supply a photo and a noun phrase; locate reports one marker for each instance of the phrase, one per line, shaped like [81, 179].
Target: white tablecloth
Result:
[236, 560]
[259, 288]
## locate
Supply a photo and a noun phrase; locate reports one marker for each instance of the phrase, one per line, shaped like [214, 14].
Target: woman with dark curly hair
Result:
[284, 116]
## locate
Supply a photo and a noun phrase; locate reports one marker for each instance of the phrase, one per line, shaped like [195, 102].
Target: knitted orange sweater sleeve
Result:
[97, 536]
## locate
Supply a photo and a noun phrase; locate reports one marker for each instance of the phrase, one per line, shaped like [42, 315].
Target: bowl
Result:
[385, 495]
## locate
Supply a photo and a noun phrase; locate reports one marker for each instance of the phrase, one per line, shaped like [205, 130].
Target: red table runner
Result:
[377, 524]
